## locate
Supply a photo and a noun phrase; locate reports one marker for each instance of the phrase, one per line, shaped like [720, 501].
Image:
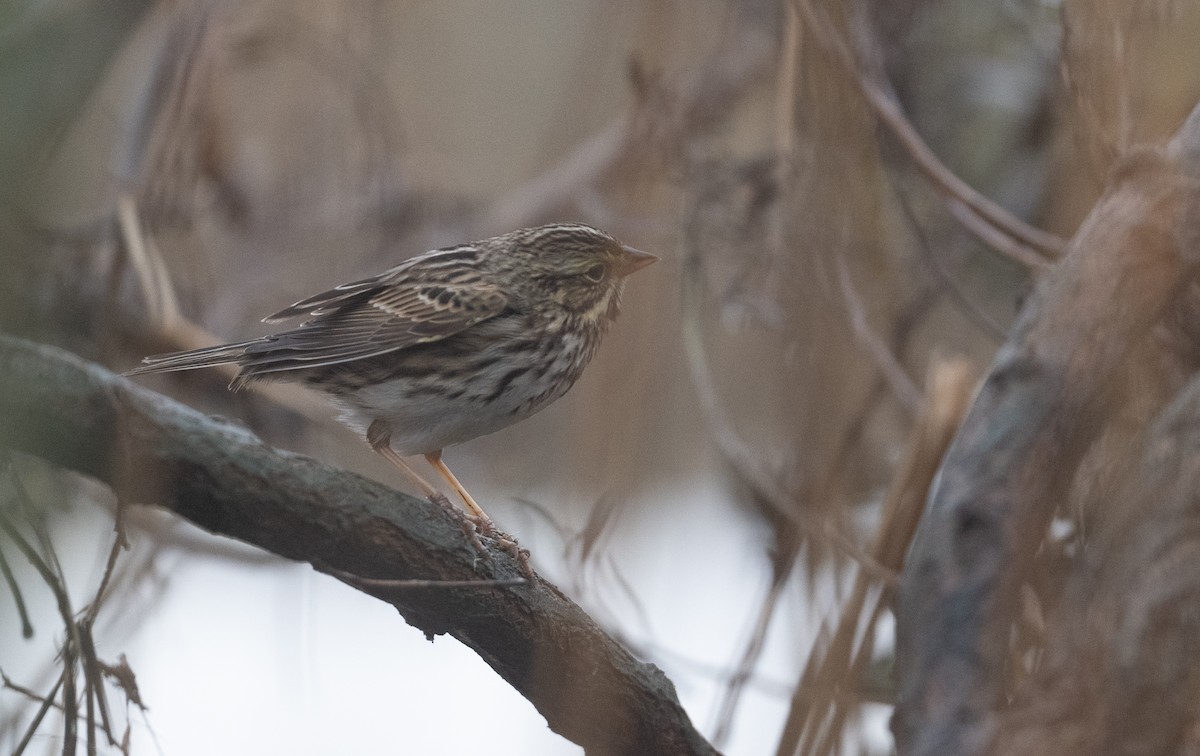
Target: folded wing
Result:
[424, 299]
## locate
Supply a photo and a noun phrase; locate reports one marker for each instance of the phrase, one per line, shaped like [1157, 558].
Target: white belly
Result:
[422, 420]
[426, 423]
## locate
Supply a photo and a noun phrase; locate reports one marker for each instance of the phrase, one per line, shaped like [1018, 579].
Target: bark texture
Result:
[152, 450]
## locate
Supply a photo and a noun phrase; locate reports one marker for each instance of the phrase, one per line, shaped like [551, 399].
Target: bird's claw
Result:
[474, 527]
[505, 543]
[470, 526]
[509, 545]
[486, 527]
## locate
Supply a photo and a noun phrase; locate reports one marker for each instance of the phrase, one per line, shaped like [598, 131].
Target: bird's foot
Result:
[509, 545]
[486, 528]
[469, 525]
[505, 543]
[522, 557]
[474, 527]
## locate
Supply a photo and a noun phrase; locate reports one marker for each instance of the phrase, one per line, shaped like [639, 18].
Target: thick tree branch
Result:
[1013, 460]
[152, 450]
[1121, 674]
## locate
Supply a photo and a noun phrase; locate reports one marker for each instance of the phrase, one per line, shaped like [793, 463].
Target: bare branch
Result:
[946, 281]
[991, 223]
[18, 598]
[151, 449]
[46, 703]
[903, 387]
[816, 720]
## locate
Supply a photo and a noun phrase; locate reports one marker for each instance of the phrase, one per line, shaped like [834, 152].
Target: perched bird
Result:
[446, 346]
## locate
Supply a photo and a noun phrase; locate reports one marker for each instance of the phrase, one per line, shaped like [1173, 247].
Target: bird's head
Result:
[569, 267]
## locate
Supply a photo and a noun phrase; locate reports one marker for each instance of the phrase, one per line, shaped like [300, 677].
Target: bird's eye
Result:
[594, 273]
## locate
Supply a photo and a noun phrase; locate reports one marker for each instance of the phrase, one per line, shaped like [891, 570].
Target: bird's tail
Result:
[192, 359]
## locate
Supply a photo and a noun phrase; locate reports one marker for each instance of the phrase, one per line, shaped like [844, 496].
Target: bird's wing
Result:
[424, 299]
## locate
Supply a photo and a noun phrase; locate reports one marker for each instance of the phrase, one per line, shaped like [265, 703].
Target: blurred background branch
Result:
[1054, 385]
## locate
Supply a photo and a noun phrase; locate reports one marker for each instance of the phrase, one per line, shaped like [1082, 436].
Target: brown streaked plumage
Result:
[446, 346]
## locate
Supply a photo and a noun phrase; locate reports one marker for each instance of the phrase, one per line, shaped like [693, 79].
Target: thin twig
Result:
[785, 91]
[70, 699]
[18, 597]
[89, 696]
[993, 236]
[816, 723]
[903, 387]
[948, 284]
[153, 279]
[636, 602]
[602, 517]
[758, 637]
[36, 722]
[16, 687]
[94, 680]
[774, 687]
[51, 572]
[119, 543]
[362, 582]
[1030, 246]
[736, 452]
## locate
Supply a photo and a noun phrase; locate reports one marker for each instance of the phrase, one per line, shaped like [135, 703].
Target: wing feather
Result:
[424, 299]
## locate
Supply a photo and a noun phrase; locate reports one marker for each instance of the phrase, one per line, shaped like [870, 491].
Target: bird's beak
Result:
[633, 259]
